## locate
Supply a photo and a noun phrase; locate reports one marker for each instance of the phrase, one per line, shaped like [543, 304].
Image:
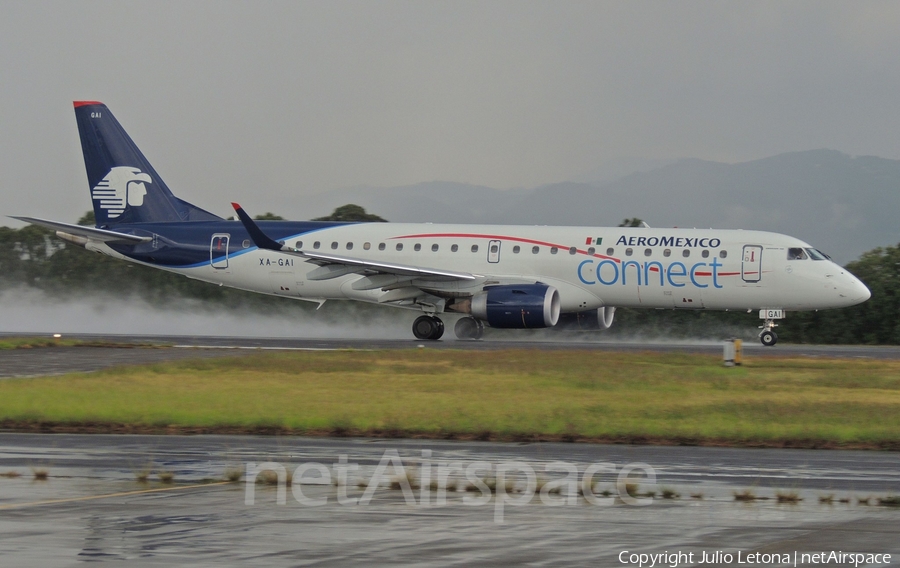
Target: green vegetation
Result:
[514, 394]
[351, 212]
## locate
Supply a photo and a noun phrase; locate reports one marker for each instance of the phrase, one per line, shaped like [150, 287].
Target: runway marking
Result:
[108, 495]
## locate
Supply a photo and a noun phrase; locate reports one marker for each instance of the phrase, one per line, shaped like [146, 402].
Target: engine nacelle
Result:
[517, 306]
[601, 318]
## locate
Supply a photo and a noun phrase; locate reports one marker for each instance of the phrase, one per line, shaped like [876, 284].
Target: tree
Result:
[267, 216]
[351, 212]
[88, 219]
[633, 222]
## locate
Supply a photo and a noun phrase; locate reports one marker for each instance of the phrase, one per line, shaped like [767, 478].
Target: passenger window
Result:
[647, 252]
[705, 253]
[399, 246]
[298, 244]
[796, 254]
[610, 251]
[474, 248]
[723, 253]
[380, 246]
[418, 247]
[554, 250]
[367, 246]
[667, 253]
[591, 251]
[494, 249]
[629, 252]
[516, 249]
[454, 248]
[349, 246]
[686, 253]
[572, 250]
[334, 245]
[434, 248]
[316, 244]
[535, 250]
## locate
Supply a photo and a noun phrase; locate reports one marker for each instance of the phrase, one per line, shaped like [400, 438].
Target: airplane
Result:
[516, 277]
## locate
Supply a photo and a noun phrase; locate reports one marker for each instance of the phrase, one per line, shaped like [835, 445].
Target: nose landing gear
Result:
[428, 327]
[767, 336]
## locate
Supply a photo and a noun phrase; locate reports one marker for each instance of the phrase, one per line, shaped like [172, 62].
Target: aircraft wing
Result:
[338, 265]
[87, 232]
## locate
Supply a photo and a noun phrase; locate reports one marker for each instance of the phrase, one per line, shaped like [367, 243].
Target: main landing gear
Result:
[428, 327]
[469, 328]
[767, 336]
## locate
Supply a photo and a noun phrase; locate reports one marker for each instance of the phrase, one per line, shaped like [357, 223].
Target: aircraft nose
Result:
[860, 293]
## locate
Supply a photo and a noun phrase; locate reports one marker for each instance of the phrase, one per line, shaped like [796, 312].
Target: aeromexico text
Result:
[679, 242]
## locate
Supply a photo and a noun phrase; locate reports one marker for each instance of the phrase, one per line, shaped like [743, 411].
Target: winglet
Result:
[259, 238]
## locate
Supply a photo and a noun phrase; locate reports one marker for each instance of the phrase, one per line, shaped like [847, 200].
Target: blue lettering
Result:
[642, 241]
[704, 241]
[679, 242]
[631, 241]
[715, 243]
[659, 267]
[622, 241]
[615, 268]
[693, 279]
[637, 266]
[671, 272]
[580, 277]
[667, 241]
[715, 266]
[652, 241]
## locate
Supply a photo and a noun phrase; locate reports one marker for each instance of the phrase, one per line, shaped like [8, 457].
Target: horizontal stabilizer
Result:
[88, 232]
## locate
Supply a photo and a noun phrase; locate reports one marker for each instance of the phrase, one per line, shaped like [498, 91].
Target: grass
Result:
[166, 477]
[40, 474]
[826, 499]
[234, 474]
[10, 474]
[790, 497]
[669, 493]
[889, 501]
[745, 496]
[507, 394]
[41, 342]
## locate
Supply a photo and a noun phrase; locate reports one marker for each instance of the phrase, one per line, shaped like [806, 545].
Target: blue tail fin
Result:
[124, 186]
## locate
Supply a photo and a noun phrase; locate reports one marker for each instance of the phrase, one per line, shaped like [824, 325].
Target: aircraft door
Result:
[751, 264]
[494, 251]
[218, 251]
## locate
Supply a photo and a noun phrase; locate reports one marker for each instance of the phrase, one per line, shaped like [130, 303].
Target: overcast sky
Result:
[251, 101]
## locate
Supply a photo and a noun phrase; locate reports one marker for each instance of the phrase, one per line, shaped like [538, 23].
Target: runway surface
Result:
[50, 361]
[61, 521]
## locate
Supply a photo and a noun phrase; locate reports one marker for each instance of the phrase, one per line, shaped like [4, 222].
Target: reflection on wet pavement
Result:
[210, 525]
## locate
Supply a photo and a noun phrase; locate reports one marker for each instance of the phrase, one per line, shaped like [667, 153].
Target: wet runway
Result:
[48, 361]
[61, 522]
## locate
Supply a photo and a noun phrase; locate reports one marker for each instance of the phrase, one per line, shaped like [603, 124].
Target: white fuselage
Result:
[591, 267]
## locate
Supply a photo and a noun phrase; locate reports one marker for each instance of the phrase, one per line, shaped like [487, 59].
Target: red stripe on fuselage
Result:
[534, 242]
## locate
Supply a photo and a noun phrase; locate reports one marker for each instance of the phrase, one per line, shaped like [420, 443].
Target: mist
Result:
[28, 310]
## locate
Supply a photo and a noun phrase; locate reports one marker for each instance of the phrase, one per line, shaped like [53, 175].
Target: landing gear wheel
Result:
[428, 327]
[469, 328]
[768, 338]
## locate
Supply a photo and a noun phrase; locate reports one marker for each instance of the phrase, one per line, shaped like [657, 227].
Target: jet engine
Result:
[517, 306]
[601, 318]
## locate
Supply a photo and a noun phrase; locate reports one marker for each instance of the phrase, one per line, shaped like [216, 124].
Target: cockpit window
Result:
[796, 254]
[817, 255]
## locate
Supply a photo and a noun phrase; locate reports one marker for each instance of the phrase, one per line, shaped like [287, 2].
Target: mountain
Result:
[841, 204]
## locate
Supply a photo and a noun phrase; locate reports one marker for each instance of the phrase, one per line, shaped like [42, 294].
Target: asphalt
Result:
[58, 360]
[91, 508]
